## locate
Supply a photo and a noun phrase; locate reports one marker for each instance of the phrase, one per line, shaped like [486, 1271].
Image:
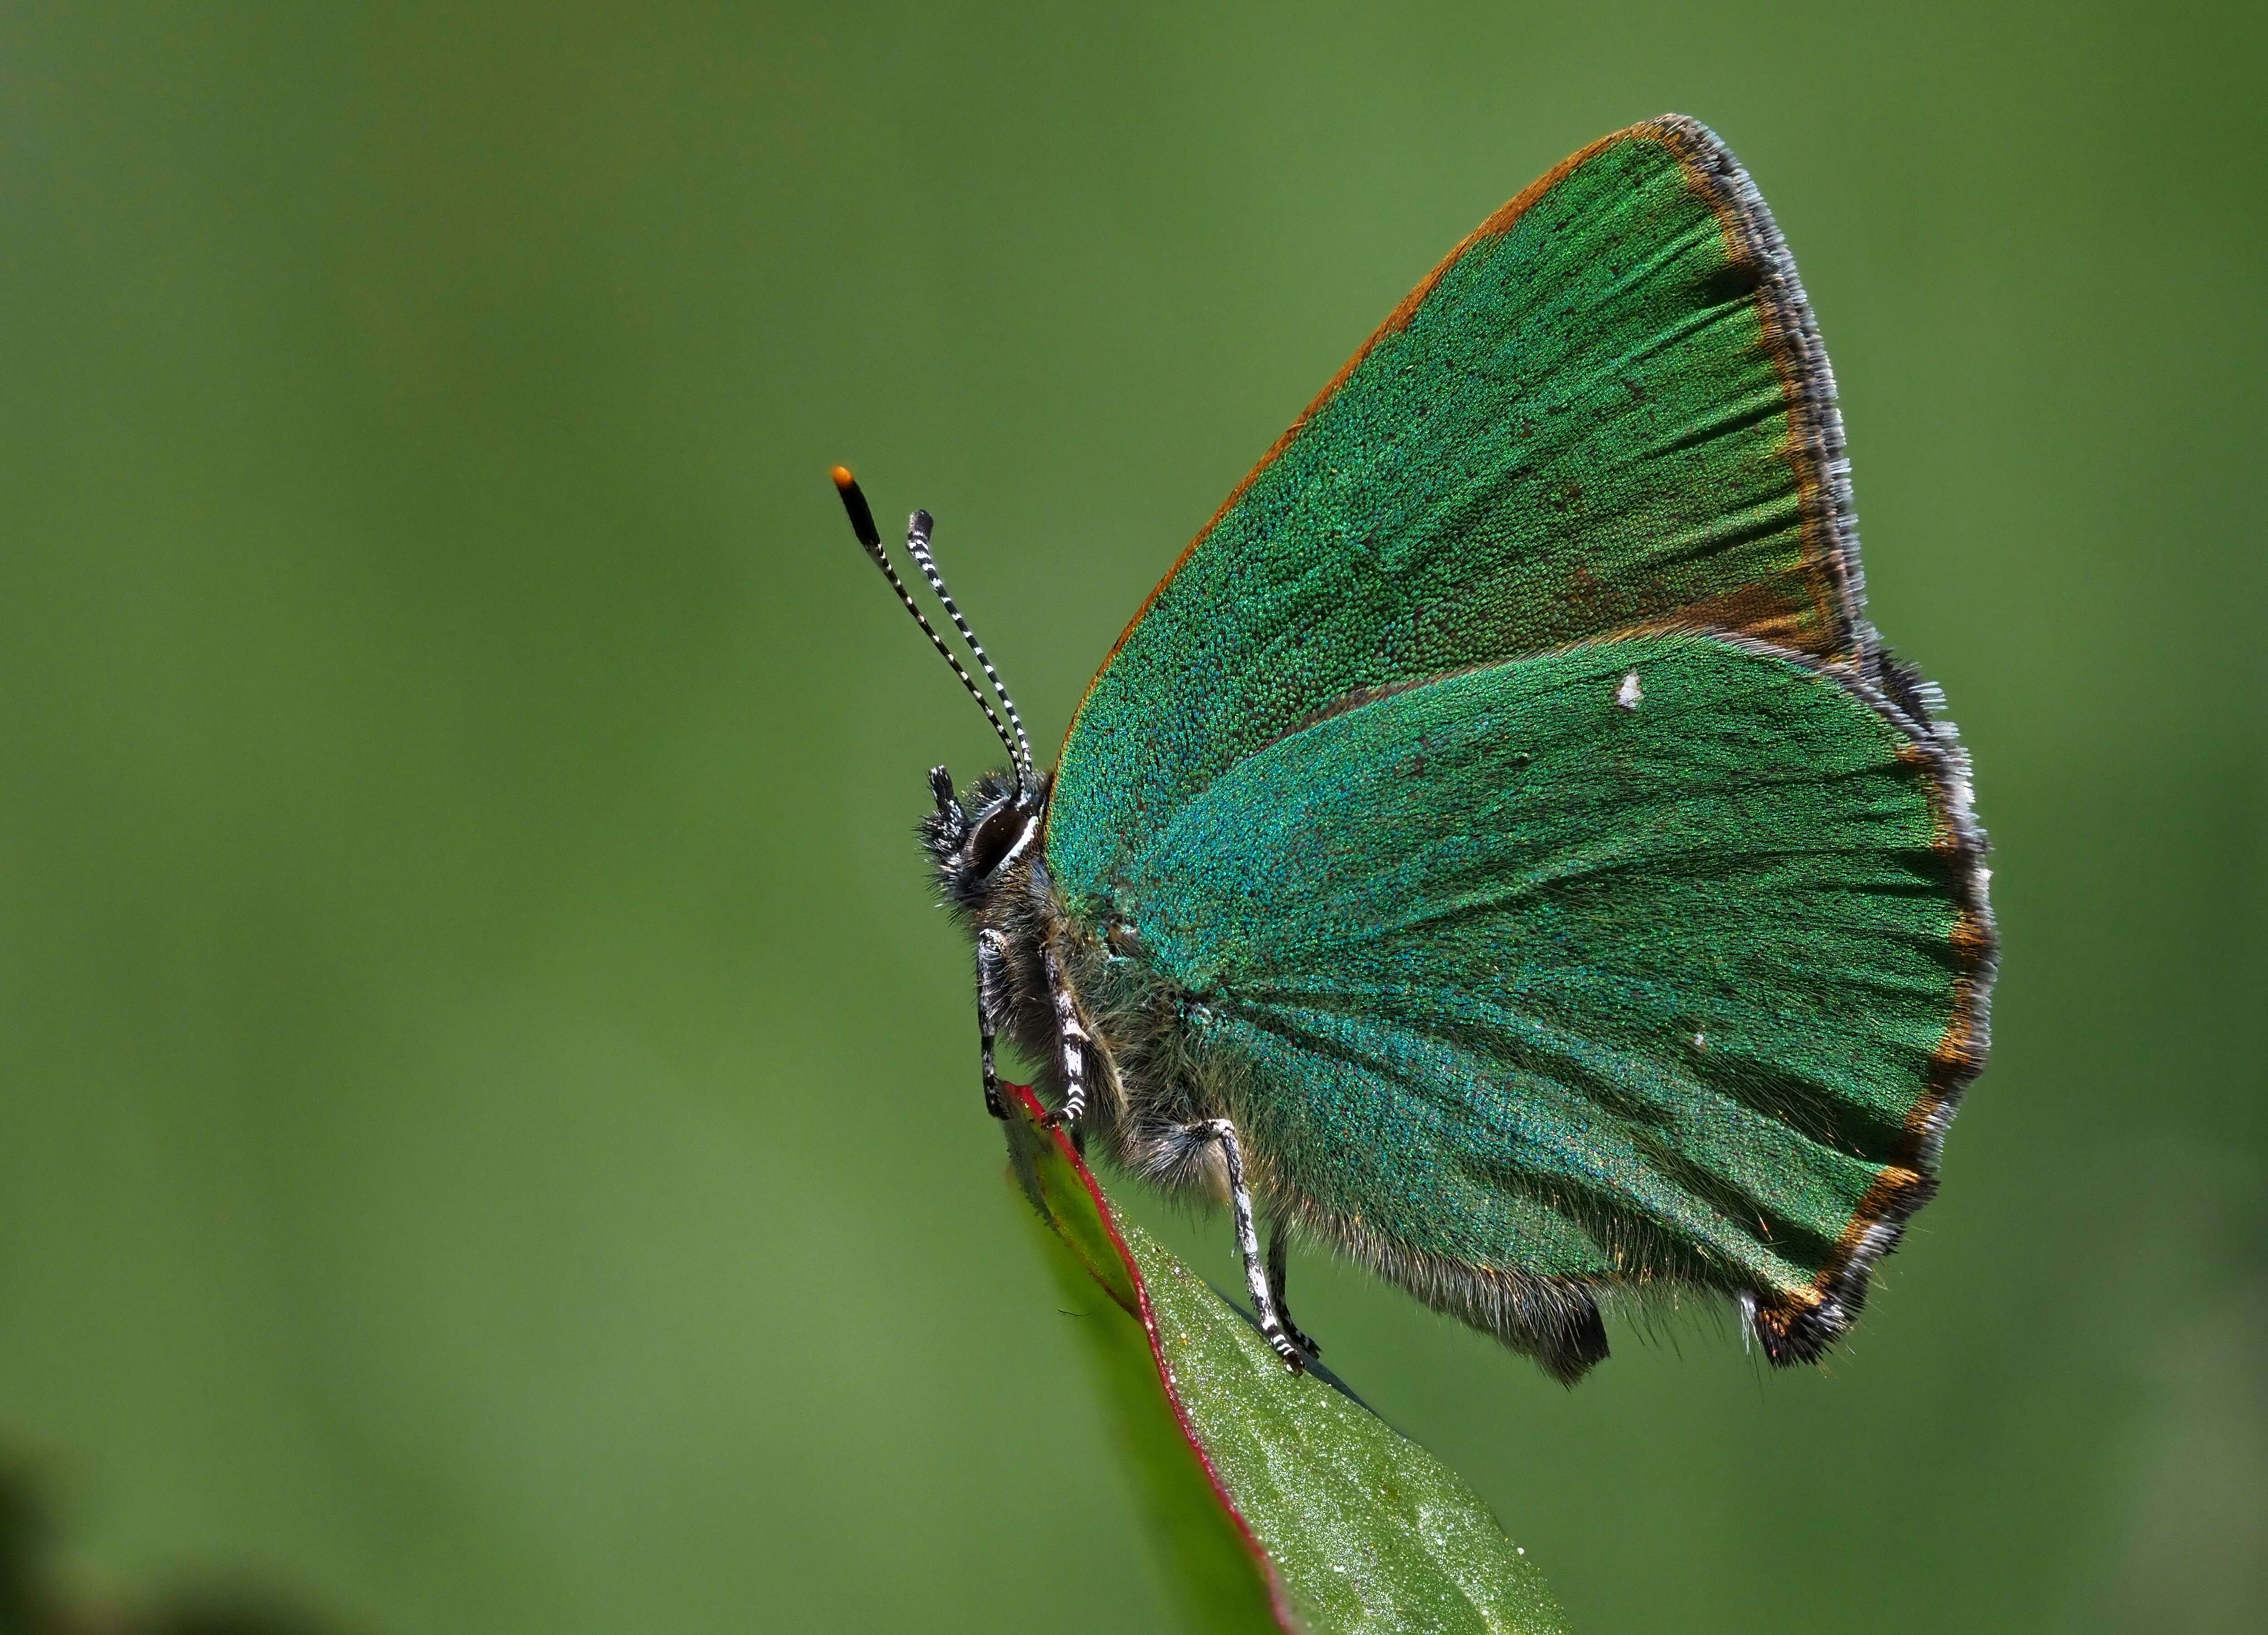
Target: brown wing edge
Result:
[1799, 1326]
[1818, 451]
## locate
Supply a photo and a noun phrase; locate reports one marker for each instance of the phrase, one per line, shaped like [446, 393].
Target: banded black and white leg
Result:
[1071, 1038]
[992, 1007]
[1278, 1242]
[1262, 1280]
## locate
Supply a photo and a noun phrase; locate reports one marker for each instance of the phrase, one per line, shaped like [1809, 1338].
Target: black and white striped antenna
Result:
[917, 534]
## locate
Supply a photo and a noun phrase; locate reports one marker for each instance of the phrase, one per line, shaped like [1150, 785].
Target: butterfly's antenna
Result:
[917, 532]
[862, 523]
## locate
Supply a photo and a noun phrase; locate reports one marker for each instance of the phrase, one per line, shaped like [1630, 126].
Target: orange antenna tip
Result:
[862, 520]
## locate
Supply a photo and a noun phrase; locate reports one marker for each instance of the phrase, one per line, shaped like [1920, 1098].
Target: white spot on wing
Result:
[1630, 693]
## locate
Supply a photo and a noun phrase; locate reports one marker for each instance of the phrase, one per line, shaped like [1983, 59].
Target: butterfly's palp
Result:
[951, 814]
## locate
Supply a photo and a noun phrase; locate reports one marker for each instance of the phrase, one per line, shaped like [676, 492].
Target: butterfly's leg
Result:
[991, 1003]
[1256, 1279]
[1071, 1040]
[1278, 1241]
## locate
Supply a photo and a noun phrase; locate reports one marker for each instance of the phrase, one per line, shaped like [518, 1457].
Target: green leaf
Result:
[1282, 1503]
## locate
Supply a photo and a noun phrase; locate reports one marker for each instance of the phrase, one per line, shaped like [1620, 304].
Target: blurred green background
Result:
[488, 1128]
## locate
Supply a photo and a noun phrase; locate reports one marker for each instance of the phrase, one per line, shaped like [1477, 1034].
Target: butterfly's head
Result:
[975, 842]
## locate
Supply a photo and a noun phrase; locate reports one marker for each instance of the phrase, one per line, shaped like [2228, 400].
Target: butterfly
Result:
[1500, 849]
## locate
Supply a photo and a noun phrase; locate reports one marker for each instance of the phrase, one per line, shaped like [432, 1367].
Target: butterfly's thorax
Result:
[1150, 1079]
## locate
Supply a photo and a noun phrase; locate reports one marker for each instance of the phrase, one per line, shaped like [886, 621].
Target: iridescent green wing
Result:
[1608, 408]
[1656, 961]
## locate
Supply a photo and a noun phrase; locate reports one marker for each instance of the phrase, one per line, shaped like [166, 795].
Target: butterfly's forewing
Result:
[1538, 973]
[1608, 408]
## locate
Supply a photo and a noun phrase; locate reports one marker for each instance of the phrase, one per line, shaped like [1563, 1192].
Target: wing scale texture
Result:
[1524, 985]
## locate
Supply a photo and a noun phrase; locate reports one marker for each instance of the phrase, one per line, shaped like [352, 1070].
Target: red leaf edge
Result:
[1038, 1115]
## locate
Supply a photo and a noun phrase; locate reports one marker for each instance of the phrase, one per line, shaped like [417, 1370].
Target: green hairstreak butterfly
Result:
[1501, 849]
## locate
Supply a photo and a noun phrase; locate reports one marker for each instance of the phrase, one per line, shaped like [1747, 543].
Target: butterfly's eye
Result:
[994, 838]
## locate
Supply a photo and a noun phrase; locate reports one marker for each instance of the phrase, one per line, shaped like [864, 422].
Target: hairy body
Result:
[1152, 1098]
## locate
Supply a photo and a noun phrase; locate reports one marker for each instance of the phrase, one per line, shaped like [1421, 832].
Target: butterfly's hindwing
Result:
[1634, 961]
